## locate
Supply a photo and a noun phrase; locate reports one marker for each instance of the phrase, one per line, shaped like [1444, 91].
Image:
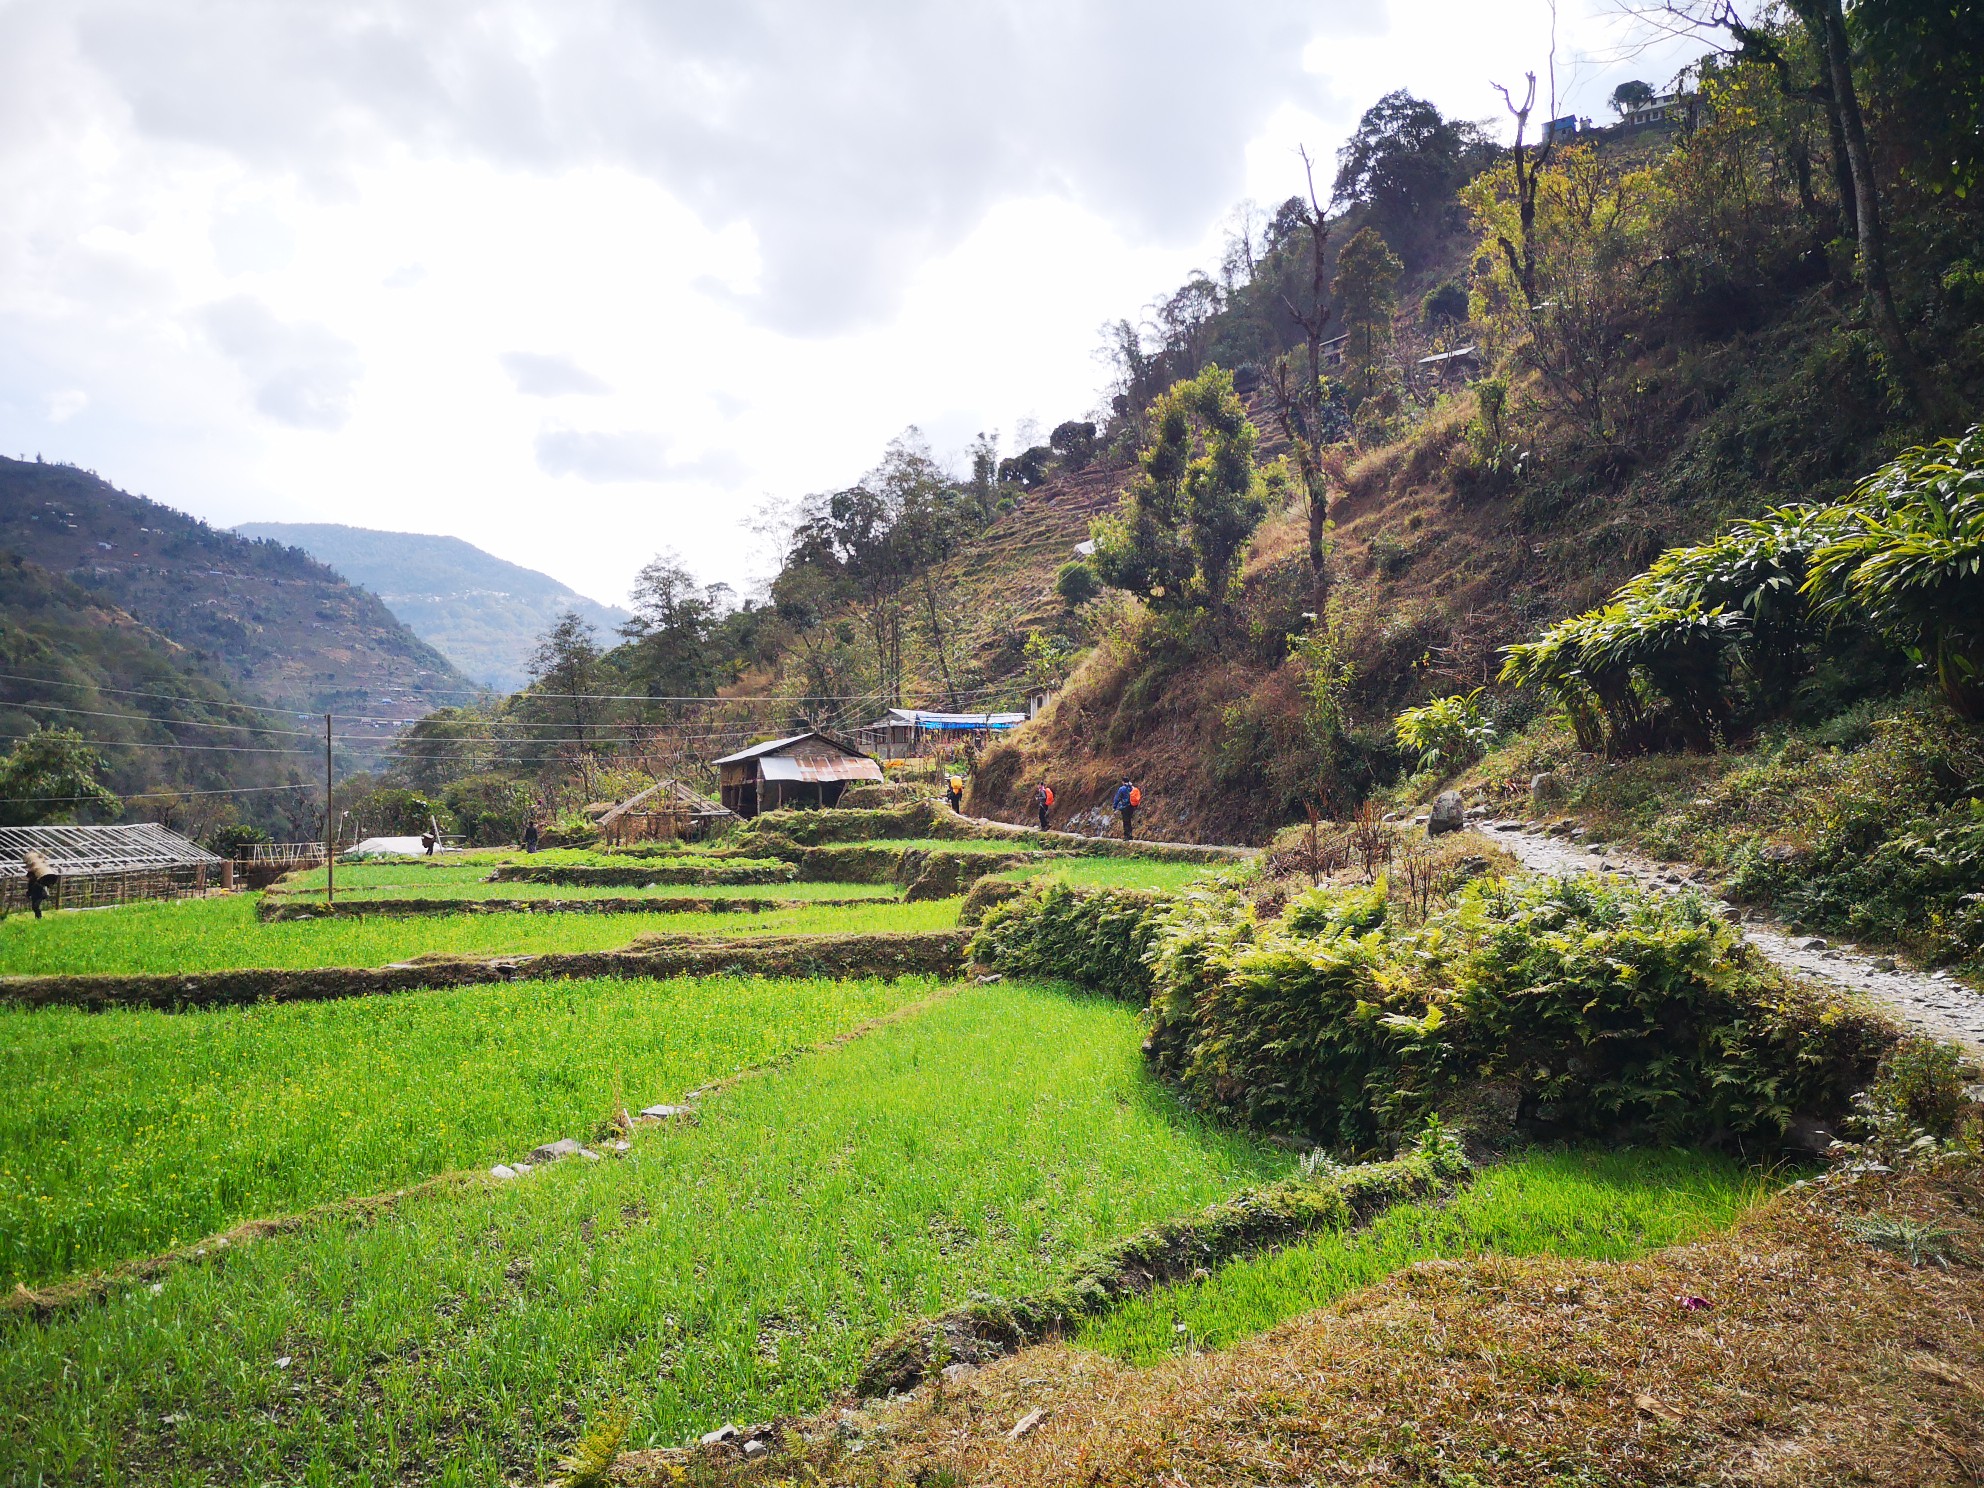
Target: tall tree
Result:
[1366, 291]
[51, 776]
[669, 630]
[1404, 163]
[565, 674]
[1196, 498]
[1310, 417]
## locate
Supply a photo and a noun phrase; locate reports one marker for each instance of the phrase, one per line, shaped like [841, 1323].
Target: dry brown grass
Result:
[1780, 1353]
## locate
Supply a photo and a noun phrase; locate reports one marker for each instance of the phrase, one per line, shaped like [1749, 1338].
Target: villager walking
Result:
[1129, 796]
[530, 837]
[1043, 802]
[954, 791]
[41, 882]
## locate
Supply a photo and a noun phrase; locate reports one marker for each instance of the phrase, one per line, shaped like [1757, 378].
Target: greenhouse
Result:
[107, 865]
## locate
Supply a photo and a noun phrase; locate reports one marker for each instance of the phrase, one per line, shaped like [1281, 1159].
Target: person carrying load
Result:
[1129, 796]
[1043, 802]
[954, 791]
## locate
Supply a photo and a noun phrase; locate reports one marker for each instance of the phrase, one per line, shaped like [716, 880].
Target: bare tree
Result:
[1301, 404]
[1529, 174]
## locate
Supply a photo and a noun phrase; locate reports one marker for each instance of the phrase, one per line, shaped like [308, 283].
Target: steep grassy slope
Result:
[482, 613]
[266, 617]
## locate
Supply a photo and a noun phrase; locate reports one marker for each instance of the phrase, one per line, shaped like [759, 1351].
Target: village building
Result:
[905, 733]
[108, 865]
[667, 811]
[810, 769]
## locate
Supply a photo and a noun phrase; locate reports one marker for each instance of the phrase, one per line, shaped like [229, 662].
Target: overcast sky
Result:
[580, 279]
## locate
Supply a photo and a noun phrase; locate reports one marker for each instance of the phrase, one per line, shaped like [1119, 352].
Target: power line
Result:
[147, 744]
[232, 790]
[239, 728]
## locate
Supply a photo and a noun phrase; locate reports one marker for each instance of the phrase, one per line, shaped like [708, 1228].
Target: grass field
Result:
[1595, 1205]
[130, 1132]
[1114, 873]
[736, 1269]
[188, 935]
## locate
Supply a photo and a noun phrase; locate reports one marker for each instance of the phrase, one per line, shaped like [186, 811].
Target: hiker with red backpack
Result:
[1129, 796]
[1043, 801]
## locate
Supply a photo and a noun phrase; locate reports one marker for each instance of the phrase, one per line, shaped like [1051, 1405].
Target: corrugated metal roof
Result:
[927, 718]
[83, 852]
[772, 746]
[792, 767]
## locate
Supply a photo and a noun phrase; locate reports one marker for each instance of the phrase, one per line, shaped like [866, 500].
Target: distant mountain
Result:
[181, 741]
[268, 620]
[482, 613]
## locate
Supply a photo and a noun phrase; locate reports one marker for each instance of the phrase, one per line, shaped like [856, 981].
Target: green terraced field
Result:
[130, 1132]
[216, 934]
[1595, 1205]
[735, 1269]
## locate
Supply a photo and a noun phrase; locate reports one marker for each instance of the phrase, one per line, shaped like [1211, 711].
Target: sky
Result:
[583, 280]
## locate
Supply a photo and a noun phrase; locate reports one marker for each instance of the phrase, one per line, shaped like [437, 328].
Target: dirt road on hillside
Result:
[1935, 1002]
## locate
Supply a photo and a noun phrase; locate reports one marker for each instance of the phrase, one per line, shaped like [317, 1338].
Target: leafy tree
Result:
[51, 776]
[1195, 500]
[565, 673]
[1028, 468]
[1074, 442]
[1443, 305]
[1630, 95]
[1366, 290]
[491, 809]
[1404, 163]
[669, 631]
[1077, 584]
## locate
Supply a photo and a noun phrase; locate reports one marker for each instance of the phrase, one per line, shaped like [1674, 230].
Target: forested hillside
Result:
[482, 613]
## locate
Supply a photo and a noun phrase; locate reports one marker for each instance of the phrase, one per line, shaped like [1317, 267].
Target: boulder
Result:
[552, 1151]
[1448, 814]
[1547, 789]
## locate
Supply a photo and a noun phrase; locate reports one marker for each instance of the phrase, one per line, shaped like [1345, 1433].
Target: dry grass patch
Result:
[1785, 1351]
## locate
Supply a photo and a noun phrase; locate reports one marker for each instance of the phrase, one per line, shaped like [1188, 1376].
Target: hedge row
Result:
[652, 871]
[1608, 1010]
[932, 953]
[1171, 1250]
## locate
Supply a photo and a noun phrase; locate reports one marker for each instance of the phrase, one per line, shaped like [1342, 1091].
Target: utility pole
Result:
[330, 828]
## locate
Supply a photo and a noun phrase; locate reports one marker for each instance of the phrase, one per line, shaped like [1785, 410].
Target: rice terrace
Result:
[1377, 881]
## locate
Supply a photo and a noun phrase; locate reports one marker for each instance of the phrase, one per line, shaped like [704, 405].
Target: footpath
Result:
[1933, 1001]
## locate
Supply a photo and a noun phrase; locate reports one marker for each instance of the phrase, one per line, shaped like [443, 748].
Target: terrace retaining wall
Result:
[931, 953]
[280, 908]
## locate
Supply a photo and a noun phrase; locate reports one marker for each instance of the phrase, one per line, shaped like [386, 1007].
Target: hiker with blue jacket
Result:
[1128, 798]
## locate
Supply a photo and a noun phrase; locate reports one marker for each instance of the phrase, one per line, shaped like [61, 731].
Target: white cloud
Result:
[761, 236]
[300, 374]
[538, 375]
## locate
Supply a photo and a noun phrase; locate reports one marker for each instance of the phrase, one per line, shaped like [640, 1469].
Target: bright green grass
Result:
[188, 935]
[1114, 873]
[418, 887]
[1593, 1205]
[734, 1270]
[129, 1132]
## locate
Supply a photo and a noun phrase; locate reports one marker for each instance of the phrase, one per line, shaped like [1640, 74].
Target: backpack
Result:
[957, 784]
[1047, 795]
[1136, 795]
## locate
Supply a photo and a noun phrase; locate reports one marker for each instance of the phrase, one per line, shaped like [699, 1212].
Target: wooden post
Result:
[330, 826]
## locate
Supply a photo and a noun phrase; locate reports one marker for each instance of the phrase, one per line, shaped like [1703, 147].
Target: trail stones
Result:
[503, 1170]
[719, 1437]
[1816, 945]
[1448, 814]
[552, 1151]
[666, 1113]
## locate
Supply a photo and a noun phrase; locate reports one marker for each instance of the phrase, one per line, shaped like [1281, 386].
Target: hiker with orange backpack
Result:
[1043, 801]
[1129, 796]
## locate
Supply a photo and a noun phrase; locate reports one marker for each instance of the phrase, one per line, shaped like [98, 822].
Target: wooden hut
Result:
[805, 770]
[108, 865]
[666, 811]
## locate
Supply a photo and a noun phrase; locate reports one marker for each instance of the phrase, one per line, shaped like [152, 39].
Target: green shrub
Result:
[1096, 938]
[1611, 1010]
[1446, 733]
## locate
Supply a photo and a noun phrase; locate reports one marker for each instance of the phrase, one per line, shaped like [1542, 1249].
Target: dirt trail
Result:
[1935, 1002]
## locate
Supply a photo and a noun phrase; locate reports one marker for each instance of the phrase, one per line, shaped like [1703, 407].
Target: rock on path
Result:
[1934, 1002]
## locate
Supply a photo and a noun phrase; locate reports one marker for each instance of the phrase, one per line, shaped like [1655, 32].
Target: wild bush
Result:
[1096, 938]
[1446, 733]
[1609, 1010]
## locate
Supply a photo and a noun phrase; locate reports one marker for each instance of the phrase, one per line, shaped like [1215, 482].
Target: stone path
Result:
[1935, 1002]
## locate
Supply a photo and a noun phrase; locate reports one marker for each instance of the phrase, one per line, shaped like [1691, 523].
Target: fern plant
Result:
[590, 1462]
